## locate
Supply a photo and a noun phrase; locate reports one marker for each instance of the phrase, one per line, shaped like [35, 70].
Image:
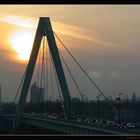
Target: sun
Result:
[22, 43]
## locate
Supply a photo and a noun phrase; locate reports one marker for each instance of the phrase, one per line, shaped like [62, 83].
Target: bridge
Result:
[65, 125]
[72, 127]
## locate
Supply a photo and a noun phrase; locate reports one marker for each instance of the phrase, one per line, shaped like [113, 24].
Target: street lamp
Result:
[98, 107]
[110, 98]
[83, 106]
[126, 107]
[120, 107]
[50, 104]
[111, 108]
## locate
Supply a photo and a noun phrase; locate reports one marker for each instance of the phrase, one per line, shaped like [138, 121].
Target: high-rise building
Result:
[36, 94]
[133, 97]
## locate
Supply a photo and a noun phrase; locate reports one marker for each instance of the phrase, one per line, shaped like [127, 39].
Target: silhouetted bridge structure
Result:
[66, 126]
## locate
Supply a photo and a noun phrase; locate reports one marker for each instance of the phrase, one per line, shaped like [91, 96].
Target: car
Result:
[99, 122]
[112, 123]
[130, 125]
[88, 120]
[121, 125]
[79, 119]
[116, 124]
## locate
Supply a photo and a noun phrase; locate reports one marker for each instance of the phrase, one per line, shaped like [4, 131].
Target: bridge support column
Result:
[44, 29]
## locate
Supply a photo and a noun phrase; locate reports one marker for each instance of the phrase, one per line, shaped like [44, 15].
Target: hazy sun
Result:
[22, 43]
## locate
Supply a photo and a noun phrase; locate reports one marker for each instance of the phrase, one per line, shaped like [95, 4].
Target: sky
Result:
[103, 38]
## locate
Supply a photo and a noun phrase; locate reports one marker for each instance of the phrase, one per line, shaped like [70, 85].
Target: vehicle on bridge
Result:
[130, 125]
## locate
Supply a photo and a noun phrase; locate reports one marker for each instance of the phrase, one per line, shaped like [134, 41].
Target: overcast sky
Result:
[103, 38]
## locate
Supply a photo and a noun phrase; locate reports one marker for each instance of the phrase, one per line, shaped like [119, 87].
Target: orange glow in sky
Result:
[22, 43]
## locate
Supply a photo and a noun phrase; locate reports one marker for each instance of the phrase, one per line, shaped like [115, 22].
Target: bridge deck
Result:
[74, 127]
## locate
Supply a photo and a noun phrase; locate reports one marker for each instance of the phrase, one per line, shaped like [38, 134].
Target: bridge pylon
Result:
[44, 29]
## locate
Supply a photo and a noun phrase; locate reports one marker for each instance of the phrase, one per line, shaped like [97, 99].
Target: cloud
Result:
[79, 33]
[95, 74]
[62, 28]
[20, 21]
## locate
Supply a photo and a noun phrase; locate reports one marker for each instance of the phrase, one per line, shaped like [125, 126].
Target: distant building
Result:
[138, 99]
[125, 114]
[133, 97]
[36, 93]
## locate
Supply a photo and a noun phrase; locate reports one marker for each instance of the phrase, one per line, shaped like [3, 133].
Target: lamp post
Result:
[83, 105]
[98, 106]
[86, 103]
[50, 108]
[111, 108]
[120, 107]
[110, 98]
[126, 107]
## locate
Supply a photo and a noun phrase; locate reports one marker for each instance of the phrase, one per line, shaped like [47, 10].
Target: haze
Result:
[103, 38]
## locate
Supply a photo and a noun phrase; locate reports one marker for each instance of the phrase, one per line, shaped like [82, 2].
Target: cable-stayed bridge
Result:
[50, 59]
